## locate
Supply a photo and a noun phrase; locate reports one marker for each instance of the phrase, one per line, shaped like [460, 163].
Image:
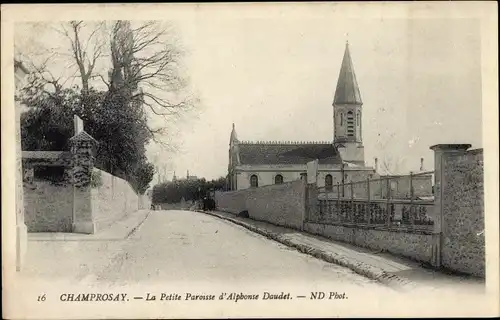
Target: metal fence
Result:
[412, 186]
[391, 201]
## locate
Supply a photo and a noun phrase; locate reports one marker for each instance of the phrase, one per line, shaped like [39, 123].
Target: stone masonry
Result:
[75, 201]
[463, 213]
[281, 204]
[455, 239]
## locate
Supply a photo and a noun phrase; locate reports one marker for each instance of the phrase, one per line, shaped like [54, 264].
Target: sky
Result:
[274, 77]
[420, 82]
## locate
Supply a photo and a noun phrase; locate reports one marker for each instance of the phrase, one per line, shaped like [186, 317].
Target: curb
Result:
[374, 273]
[138, 226]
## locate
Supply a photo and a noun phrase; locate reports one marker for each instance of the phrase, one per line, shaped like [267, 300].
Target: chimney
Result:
[421, 164]
[376, 164]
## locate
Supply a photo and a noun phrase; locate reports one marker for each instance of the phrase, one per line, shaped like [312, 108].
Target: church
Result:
[256, 164]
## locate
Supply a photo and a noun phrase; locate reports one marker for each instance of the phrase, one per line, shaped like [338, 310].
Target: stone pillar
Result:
[311, 201]
[21, 229]
[441, 151]
[83, 157]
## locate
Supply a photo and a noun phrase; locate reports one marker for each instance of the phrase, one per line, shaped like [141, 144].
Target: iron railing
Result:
[392, 201]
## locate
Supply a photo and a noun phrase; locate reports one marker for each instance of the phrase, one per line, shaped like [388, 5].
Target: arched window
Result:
[278, 179]
[350, 124]
[254, 181]
[328, 182]
[341, 119]
[358, 119]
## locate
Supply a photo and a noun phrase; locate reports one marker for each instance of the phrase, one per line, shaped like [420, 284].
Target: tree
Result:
[147, 54]
[144, 80]
[80, 49]
[173, 192]
[47, 125]
[143, 176]
[391, 165]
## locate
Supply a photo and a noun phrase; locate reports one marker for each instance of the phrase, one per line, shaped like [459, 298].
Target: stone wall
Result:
[144, 202]
[71, 195]
[416, 246]
[463, 241]
[231, 201]
[112, 200]
[282, 204]
[49, 200]
[48, 207]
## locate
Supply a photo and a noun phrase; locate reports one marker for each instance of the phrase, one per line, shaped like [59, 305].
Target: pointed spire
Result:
[234, 136]
[347, 91]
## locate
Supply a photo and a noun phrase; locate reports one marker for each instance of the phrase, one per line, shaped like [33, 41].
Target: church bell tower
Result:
[347, 114]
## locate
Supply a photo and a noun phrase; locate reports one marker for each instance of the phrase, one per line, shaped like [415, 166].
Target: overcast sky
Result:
[420, 82]
[274, 76]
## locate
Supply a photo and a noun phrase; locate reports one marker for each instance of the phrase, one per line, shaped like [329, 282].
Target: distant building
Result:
[191, 178]
[255, 164]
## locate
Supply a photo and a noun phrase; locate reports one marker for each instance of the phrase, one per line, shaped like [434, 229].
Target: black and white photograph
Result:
[250, 160]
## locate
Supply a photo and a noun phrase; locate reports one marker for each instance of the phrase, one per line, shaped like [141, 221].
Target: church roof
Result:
[287, 153]
[347, 91]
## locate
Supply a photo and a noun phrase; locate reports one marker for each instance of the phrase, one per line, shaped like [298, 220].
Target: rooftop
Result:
[287, 153]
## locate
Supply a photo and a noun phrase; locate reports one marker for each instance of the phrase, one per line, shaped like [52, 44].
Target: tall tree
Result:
[143, 80]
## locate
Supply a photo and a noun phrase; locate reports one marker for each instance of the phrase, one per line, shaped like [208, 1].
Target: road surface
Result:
[177, 245]
[181, 252]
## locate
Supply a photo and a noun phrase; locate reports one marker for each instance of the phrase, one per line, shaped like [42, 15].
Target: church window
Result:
[350, 124]
[254, 181]
[328, 182]
[341, 119]
[358, 119]
[278, 179]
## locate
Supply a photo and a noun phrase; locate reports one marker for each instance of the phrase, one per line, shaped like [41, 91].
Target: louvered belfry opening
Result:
[350, 124]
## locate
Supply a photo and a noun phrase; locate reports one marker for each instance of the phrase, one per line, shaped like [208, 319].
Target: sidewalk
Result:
[398, 273]
[119, 230]
[77, 257]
